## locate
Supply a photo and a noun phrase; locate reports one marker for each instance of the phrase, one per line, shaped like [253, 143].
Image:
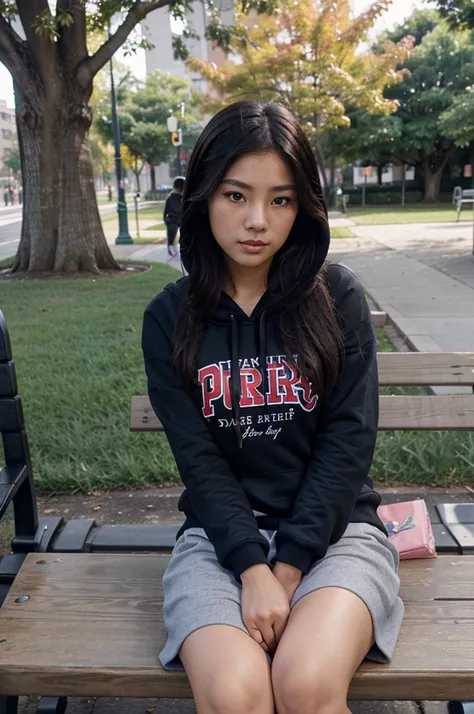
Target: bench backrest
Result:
[405, 412]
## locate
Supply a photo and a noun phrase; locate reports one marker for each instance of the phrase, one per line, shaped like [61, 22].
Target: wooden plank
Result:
[93, 627]
[443, 578]
[418, 413]
[425, 413]
[426, 368]
[379, 318]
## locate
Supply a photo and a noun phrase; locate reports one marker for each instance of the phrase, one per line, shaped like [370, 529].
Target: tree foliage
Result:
[307, 55]
[12, 161]
[144, 110]
[458, 13]
[435, 101]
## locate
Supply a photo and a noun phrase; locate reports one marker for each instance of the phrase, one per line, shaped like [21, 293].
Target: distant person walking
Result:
[172, 213]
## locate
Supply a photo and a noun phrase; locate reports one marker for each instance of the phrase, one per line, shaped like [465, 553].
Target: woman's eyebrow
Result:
[241, 184]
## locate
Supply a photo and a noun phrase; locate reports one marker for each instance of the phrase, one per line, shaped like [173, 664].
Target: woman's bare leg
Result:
[229, 673]
[328, 635]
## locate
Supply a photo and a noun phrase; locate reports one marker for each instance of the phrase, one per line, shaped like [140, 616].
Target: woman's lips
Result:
[254, 246]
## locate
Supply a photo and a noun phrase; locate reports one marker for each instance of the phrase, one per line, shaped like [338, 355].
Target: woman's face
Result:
[253, 210]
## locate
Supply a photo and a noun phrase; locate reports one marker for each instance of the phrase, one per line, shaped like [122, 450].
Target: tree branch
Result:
[72, 39]
[11, 46]
[42, 47]
[87, 70]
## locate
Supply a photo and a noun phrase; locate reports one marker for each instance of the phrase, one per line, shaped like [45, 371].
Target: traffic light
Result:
[177, 137]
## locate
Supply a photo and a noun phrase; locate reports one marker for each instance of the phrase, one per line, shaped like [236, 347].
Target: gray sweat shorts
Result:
[198, 592]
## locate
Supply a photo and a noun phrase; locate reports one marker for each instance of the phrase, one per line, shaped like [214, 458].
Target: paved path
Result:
[422, 275]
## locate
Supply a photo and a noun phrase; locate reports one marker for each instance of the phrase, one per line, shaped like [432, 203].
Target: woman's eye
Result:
[282, 201]
[235, 196]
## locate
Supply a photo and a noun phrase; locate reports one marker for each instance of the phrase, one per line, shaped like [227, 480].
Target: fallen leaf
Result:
[131, 328]
[150, 505]
[49, 510]
[150, 710]
[96, 508]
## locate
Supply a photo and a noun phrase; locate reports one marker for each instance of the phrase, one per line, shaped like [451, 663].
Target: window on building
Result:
[7, 134]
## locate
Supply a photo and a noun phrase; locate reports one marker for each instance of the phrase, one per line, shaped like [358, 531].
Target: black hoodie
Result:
[302, 466]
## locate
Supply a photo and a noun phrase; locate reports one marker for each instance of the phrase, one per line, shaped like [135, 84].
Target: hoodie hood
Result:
[284, 290]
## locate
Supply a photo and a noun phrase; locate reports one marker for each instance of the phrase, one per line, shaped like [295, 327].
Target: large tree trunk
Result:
[153, 178]
[62, 230]
[432, 168]
[432, 183]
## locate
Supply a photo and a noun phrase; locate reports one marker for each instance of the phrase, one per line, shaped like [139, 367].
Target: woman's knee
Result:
[239, 692]
[304, 690]
[228, 672]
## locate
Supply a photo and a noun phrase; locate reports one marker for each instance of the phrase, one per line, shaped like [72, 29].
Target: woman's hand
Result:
[288, 576]
[265, 606]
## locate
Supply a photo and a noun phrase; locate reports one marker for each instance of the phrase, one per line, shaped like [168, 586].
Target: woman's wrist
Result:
[254, 573]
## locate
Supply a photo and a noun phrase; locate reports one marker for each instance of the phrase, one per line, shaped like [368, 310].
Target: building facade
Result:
[8, 138]
[158, 28]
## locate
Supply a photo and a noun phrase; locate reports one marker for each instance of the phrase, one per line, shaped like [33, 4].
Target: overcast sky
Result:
[399, 10]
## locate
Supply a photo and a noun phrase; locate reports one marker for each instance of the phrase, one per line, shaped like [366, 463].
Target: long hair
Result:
[307, 319]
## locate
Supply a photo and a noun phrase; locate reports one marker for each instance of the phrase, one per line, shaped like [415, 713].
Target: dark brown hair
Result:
[296, 283]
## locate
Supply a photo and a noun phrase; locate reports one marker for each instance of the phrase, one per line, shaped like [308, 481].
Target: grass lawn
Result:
[144, 240]
[156, 227]
[154, 213]
[416, 213]
[76, 346]
[342, 232]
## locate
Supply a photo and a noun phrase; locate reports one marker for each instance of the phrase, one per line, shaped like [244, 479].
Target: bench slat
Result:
[418, 413]
[426, 368]
[379, 318]
[93, 627]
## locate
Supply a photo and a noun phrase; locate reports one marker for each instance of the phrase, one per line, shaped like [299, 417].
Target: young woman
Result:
[261, 366]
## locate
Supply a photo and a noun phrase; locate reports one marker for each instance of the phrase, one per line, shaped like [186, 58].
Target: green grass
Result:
[155, 213]
[156, 227]
[144, 240]
[76, 346]
[439, 458]
[417, 213]
[342, 232]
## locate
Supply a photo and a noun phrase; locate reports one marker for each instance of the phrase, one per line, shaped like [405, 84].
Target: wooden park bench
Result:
[82, 604]
[466, 196]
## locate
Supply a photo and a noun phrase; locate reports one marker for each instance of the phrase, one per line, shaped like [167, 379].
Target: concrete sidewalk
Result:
[422, 275]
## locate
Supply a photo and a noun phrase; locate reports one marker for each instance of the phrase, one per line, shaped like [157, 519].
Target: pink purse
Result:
[408, 526]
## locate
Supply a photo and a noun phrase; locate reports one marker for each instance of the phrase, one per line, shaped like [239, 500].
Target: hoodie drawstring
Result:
[235, 383]
[235, 386]
[263, 358]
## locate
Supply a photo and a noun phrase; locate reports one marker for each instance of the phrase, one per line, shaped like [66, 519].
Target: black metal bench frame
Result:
[42, 534]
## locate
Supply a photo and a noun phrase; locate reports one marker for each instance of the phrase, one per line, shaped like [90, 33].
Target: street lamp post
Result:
[124, 237]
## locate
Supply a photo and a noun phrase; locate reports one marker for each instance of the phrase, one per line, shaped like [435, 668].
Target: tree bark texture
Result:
[62, 230]
[432, 186]
[432, 168]
[152, 178]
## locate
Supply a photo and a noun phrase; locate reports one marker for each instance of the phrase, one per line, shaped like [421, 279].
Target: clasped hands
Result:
[266, 598]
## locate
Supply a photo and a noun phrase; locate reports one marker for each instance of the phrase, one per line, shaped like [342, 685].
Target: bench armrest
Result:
[11, 478]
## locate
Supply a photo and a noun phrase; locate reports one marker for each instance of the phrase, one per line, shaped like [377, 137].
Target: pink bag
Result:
[408, 526]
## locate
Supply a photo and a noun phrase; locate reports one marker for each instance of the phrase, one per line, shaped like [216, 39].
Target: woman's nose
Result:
[256, 219]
